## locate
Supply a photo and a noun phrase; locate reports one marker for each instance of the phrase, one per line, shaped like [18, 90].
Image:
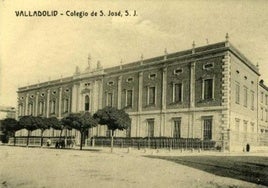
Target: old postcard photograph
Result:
[164, 93]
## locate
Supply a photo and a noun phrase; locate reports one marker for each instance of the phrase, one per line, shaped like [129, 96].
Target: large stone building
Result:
[209, 92]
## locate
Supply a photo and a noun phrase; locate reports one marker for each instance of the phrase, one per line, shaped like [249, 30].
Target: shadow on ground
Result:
[247, 168]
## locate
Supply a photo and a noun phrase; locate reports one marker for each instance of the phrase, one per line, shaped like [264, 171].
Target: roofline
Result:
[216, 47]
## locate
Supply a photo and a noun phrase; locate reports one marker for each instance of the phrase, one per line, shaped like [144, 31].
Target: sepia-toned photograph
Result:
[138, 94]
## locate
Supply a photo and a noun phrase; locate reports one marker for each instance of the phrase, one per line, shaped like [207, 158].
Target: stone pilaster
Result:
[192, 86]
[119, 92]
[26, 105]
[139, 103]
[74, 98]
[36, 103]
[60, 101]
[226, 99]
[48, 98]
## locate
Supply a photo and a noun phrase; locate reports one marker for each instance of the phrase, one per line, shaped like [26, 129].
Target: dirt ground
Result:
[40, 167]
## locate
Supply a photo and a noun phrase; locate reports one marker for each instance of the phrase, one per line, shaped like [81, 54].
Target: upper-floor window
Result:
[237, 93]
[20, 109]
[109, 99]
[177, 71]
[245, 96]
[177, 92]
[208, 89]
[30, 109]
[66, 105]
[208, 66]
[151, 95]
[130, 79]
[52, 107]
[87, 84]
[252, 126]
[262, 97]
[245, 126]
[129, 98]
[41, 108]
[252, 100]
[261, 113]
[266, 99]
[110, 83]
[86, 103]
[152, 76]
[237, 124]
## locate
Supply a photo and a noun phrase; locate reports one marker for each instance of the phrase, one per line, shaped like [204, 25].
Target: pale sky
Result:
[38, 48]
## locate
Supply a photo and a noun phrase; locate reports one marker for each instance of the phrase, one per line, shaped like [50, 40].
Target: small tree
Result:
[30, 123]
[43, 124]
[114, 119]
[56, 124]
[9, 128]
[81, 122]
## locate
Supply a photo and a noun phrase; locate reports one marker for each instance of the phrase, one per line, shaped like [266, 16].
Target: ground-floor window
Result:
[150, 123]
[177, 128]
[207, 128]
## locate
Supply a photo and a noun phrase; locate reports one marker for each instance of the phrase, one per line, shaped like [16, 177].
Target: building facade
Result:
[210, 92]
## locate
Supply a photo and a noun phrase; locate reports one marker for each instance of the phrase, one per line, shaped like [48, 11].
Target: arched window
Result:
[53, 107]
[86, 103]
[30, 109]
[41, 107]
[66, 105]
[20, 109]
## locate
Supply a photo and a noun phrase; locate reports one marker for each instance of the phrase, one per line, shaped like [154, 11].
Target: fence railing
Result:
[36, 140]
[155, 143]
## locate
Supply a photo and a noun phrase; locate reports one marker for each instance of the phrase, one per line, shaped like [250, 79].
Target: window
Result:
[252, 100]
[208, 66]
[252, 127]
[41, 108]
[86, 103]
[30, 109]
[262, 114]
[66, 105]
[129, 96]
[150, 123]
[130, 79]
[208, 89]
[177, 128]
[20, 109]
[151, 95]
[266, 99]
[177, 71]
[266, 117]
[237, 124]
[152, 76]
[128, 131]
[177, 92]
[245, 96]
[261, 97]
[207, 129]
[237, 93]
[245, 126]
[237, 129]
[110, 83]
[52, 107]
[109, 99]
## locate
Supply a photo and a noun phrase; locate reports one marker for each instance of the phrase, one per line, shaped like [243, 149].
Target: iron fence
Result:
[154, 143]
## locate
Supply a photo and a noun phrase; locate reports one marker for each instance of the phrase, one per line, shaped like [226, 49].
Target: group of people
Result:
[62, 143]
